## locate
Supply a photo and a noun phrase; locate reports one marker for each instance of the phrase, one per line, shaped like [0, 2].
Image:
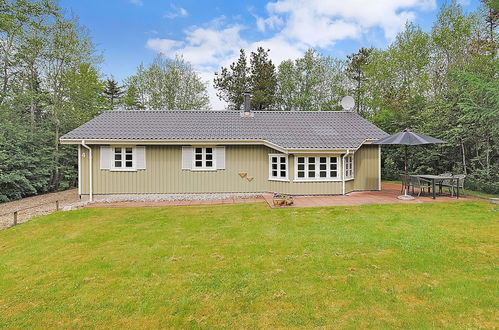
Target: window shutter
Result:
[105, 157]
[140, 153]
[220, 158]
[186, 158]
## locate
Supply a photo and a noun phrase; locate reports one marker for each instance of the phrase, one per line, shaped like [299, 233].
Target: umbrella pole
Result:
[405, 196]
[406, 173]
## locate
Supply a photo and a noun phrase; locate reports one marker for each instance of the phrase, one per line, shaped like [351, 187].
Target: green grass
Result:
[244, 266]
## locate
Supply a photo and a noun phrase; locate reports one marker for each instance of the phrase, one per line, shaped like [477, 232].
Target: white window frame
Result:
[204, 160]
[317, 170]
[113, 166]
[279, 162]
[349, 167]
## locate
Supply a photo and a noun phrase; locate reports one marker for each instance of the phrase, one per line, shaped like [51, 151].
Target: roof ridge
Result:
[235, 111]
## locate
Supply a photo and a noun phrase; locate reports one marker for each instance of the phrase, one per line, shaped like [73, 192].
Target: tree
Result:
[263, 80]
[84, 95]
[49, 84]
[491, 19]
[259, 78]
[112, 91]
[232, 82]
[168, 84]
[452, 39]
[68, 47]
[131, 98]
[312, 82]
[398, 80]
[356, 72]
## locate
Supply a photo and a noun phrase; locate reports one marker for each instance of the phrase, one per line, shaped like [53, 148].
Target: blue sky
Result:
[209, 34]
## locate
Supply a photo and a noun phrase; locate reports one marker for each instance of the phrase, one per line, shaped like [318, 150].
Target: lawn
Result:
[244, 266]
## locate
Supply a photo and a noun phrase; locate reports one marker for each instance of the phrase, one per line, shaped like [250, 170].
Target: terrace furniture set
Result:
[429, 183]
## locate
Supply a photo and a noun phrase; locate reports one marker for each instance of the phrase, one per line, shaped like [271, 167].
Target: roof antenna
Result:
[347, 103]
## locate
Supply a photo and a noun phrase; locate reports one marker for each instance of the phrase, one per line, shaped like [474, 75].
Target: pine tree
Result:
[112, 91]
[263, 80]
[259, 78]
[232, 82]
[491, 8]
[355, 70]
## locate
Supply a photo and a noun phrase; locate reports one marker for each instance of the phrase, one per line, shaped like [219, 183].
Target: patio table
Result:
[438, 178]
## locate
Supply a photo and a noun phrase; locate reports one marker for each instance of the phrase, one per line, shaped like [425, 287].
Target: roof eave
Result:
[213, 142]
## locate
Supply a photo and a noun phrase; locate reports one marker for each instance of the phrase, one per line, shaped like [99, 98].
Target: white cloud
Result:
[272, 22]
[207, 77]
[280, 49]
[205, 47]
[136, 2]
[163, 46]
[320, 23]
[176, 12]
[295, 25]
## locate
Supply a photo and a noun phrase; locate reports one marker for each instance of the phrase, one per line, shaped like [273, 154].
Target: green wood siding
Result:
[163, 174]
[366, 168]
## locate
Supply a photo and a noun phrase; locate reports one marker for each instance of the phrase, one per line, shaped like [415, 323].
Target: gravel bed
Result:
[35, 206]
[171, 197]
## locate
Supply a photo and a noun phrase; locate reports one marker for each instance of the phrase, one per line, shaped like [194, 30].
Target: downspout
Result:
[343, 170]
[90, 190]
[79, 171]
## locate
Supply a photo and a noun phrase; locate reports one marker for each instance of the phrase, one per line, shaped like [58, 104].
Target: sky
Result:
[209, 34]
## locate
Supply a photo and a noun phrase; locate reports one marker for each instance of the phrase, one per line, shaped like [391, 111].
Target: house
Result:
[294, 152]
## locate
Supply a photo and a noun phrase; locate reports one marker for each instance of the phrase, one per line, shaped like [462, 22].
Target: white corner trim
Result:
[379, 167]
[90, 179]
[343, 172]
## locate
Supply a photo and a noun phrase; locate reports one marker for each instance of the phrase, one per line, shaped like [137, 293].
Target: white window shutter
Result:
[220, 158]
[105, 157]
[140, 153]
[186, 158]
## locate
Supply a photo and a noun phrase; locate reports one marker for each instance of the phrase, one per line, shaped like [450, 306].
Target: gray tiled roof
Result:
[287, 129]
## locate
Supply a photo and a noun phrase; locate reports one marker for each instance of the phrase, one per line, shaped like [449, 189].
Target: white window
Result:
[349, 167]
[321, 168]
[278, 167]
[123, 158]
[199, 158]
[203, 158]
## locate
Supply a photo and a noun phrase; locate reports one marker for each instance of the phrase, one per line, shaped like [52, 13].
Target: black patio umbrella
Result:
[408, 138]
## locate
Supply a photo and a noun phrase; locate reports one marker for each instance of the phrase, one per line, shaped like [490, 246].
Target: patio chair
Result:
[445, 182]
[459, 186]
[452, 184]
[417, 182]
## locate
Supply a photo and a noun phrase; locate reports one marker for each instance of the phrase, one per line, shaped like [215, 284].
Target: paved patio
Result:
[387, 195]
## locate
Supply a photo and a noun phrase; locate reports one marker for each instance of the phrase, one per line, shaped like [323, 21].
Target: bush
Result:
[483, 186]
